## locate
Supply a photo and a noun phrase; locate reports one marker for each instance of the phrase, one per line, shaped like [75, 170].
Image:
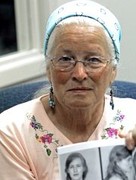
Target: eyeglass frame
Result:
[74, 62]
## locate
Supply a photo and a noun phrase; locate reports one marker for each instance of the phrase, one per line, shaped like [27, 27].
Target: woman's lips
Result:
[79, 89]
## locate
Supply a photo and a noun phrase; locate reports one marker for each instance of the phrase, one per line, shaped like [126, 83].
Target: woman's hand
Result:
[130, 138]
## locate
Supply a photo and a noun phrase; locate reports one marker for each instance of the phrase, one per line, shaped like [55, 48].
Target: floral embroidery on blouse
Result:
[111, 131]
[43, 136]
[47, 138]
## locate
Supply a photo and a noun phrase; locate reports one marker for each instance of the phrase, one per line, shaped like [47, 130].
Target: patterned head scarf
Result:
[89, 9]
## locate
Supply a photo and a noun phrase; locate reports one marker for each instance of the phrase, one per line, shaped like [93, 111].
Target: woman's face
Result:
[78, 87]
[126, 164]
[76, 169]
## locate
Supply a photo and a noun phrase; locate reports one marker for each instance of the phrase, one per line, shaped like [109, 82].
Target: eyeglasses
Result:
[93, 63]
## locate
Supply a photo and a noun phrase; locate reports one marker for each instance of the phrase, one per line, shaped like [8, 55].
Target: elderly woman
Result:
[82, 49]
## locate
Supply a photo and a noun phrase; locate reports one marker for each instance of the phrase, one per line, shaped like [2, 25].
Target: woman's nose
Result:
[79, 72]
[75, 169]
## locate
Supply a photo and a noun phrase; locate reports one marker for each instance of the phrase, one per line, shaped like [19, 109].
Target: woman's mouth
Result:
[80, 90]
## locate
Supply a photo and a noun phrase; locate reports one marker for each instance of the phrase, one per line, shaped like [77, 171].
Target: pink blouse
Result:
[29, 140]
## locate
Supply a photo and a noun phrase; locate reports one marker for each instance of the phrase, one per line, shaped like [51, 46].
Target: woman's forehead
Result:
[74, 24]
[77, 35]
[76, 159]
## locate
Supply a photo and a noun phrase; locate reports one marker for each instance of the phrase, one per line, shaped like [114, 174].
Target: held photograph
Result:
[99, 160]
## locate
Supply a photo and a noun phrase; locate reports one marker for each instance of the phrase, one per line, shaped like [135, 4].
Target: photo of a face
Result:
[80, 165]
[126, 164]
[76, 169]
[120, 163]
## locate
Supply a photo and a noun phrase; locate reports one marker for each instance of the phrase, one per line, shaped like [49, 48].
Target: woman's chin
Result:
[78, 104]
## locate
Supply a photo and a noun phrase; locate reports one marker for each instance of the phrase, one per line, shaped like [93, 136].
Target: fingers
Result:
[134, 134]
[131, 140]
[122, 134]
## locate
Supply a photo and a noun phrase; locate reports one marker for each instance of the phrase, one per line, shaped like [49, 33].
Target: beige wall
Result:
[125, 12]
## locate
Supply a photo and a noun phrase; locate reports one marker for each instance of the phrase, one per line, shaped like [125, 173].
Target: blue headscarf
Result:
[89, 9]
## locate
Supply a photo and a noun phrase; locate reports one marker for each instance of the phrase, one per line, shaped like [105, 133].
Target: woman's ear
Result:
[48, 73]
[114, 74]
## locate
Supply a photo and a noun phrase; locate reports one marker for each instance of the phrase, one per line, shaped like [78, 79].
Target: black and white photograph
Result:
[81, 165]
[117, 163]
[100, 160]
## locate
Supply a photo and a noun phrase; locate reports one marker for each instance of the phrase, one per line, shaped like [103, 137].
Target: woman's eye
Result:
[71, 167]
[65, 58]
[78, 165]
[94, 60]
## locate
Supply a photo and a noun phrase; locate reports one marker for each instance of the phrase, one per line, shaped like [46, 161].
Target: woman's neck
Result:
[77, 124]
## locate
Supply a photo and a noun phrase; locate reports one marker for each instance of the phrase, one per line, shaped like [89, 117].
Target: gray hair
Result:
[92, 22]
